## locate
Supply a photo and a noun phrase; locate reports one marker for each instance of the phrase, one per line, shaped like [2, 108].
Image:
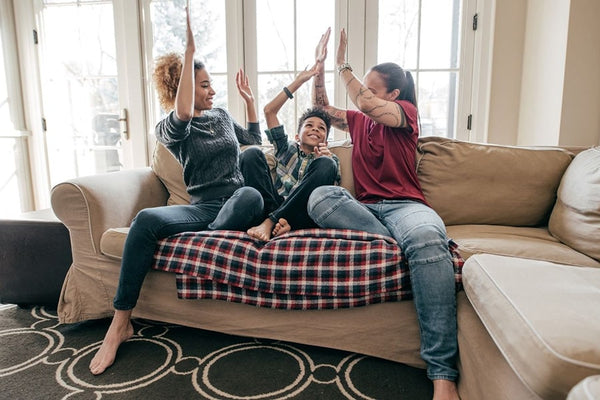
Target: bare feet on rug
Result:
[269, 229]
[119, 331]
[281, 227]
[445, 390]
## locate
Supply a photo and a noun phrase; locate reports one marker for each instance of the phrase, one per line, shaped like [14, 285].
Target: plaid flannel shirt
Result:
[291, 161]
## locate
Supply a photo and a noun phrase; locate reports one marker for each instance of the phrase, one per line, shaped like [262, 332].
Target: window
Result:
[208, 24]
[287, 34]
[95, 59]
[79, 87]
[423, 36]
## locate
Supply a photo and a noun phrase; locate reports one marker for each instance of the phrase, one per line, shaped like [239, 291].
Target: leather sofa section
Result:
[542, 316]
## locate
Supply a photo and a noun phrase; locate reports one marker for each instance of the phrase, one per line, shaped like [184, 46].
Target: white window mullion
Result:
[132, 83]
[241, 52]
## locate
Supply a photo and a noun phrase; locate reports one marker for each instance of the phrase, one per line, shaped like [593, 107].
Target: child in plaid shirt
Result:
[302, 165]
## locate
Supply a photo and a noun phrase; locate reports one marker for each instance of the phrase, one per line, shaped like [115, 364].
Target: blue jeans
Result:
[421, 235]
[241, 211]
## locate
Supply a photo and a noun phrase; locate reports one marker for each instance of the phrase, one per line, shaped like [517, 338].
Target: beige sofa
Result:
[527, 221]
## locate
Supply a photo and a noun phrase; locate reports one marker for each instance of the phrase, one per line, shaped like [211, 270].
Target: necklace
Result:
[210, 125]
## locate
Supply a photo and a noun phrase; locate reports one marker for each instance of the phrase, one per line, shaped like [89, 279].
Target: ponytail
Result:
[396, 78]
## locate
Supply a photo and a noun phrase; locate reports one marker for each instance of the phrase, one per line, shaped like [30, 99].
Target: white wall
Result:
[542, 81]
[580, 124]
[545, 73]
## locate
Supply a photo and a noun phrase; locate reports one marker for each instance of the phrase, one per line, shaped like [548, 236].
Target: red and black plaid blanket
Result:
[303, 269]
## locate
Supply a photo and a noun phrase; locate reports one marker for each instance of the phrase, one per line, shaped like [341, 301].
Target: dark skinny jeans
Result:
[321, 171]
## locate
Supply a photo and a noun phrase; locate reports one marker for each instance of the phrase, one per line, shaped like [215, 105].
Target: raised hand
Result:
[190, 45]
[341, 51]
[305, 75]
[321, 50]
[241, 81]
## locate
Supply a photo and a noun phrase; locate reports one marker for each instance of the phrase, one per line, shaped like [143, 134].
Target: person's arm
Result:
[385, 112]
[241, 81]
[273, 107]
[319, 93]
[184, 99]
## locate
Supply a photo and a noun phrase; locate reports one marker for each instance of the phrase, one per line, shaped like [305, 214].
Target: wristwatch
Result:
[343, 67]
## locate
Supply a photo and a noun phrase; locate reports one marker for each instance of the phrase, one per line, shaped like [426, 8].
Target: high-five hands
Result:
[321, 50]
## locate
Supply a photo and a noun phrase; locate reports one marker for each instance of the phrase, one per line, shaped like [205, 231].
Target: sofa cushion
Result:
[170, 173]
[524, 242]
[575, 219]
[587, 389]
[542, 317]
[112, 242]
[344, 152]
[472, 183]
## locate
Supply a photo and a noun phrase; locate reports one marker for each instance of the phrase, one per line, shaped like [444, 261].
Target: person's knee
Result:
[252, 156]
[249, 198]
[321, 195]
[148, 217]
[325, 168]
[426, 243]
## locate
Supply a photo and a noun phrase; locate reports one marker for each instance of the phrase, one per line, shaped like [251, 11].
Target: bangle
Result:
[343, 67]
[288, 93]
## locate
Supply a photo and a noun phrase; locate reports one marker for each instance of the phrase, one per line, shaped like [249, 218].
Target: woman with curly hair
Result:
[206, 142]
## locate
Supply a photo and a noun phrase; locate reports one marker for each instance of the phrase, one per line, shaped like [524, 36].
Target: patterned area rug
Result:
[40, 358]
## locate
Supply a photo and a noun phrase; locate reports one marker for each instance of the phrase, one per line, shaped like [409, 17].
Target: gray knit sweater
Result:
[208, 148]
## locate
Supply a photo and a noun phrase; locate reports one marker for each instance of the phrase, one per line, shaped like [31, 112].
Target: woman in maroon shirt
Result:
[389, 200]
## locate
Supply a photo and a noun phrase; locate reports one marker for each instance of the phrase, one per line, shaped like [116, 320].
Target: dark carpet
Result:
[41, 359]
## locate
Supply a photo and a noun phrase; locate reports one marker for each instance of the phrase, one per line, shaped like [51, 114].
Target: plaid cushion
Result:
[303, 269]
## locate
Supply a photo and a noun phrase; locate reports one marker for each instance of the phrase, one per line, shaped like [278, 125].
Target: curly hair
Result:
[166, 75]
[314, 112]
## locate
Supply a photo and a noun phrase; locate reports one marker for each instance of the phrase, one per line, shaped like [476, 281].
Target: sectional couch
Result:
[526, 220]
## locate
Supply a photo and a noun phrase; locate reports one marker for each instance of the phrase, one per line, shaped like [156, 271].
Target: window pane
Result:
[437, 103]
[310, 25]
[208, 25]
[275, 32]
[13, 152]
[285, 46]
[398, 32]
[80, 89]
[270, 85]
[423, 36]
[439, 34]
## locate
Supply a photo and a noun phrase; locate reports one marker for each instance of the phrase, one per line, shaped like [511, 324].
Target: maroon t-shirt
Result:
[383, 158]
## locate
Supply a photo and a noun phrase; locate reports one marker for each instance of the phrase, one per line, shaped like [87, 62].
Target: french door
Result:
[84, 89]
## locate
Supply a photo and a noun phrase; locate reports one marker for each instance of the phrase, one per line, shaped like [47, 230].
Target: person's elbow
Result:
[269, 110]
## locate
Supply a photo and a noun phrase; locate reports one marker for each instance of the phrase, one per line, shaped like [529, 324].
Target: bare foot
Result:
[445, 390]
[262, 231]
[119, 331]
[281, 227]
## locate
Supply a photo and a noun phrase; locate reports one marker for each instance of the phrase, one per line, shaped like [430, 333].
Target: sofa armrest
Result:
[90, 205]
